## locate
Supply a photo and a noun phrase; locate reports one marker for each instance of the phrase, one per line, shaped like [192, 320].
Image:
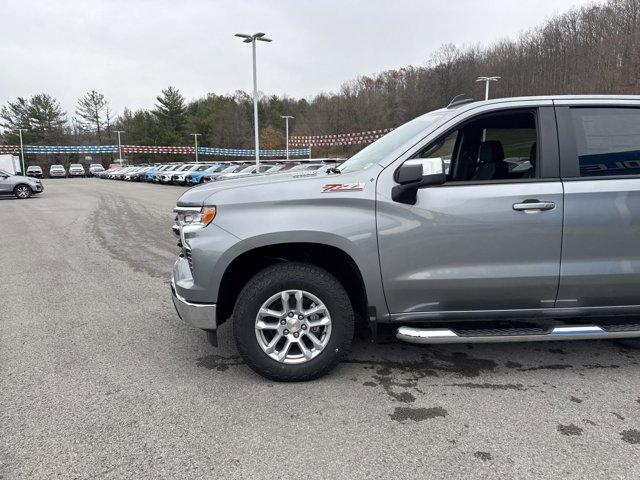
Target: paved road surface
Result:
[100, 379]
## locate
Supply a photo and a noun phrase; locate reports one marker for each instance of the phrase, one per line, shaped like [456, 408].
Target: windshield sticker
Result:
[342, 187]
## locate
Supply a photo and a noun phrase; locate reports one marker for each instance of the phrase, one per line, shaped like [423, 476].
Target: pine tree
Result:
[170, 112]
[41, 115]
[15, 114]
[46, 117]
[93, 111]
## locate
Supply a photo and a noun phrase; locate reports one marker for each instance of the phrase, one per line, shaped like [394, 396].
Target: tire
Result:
[22, 191]
[313, 283]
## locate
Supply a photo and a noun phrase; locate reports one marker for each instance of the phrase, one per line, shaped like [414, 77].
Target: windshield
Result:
[216, 168]
[386, 144]
[247, 169]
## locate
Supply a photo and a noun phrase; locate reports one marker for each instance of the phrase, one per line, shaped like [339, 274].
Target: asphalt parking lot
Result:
[100, 379]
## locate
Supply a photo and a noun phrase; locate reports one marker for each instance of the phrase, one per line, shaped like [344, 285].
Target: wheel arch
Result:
[22, 184]
[330, 257]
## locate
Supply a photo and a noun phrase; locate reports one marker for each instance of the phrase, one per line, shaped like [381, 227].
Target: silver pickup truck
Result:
[486, 221]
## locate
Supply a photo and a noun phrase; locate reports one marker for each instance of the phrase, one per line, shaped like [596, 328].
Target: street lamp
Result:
[119, 145]
[195, 138]
[20, 130]
[286, 122]
[486, 81]
[252, 40]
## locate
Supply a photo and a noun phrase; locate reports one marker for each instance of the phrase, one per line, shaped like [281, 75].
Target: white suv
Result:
[57, 171]
[95, 168]
[76, 170]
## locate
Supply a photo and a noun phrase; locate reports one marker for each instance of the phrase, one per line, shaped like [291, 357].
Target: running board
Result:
[445, 335]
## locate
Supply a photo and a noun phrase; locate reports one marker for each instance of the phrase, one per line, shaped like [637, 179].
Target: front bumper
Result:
[200, 315]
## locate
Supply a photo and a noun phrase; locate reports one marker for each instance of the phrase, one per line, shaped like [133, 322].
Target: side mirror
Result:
[415, 174]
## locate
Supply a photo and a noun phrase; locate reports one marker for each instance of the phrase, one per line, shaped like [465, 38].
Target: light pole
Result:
[119, 145]
[286, 122]
[20, 130]
[487, 81]
[195, 138]
[252, 40]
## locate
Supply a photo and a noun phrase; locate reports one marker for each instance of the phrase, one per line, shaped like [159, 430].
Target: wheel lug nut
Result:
[296, 334]
[286, 332]
[300, 317]
[304, 327]
[283, 322]
[291, 314]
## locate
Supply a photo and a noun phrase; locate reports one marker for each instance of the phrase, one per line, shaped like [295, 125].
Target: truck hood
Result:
[200, 195]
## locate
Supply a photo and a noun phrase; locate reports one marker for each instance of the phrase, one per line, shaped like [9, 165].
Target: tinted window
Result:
[607, 140]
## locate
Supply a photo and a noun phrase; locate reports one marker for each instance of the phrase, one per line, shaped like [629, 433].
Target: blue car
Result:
[195, 177]
[152, 175]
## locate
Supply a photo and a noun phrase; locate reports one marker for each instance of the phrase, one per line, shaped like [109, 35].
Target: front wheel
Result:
[293, 322]
[22, 191]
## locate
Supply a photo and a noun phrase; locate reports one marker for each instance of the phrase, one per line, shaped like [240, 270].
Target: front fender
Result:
[364, 258]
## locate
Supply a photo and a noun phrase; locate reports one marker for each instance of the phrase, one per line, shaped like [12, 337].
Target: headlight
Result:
[194, 216]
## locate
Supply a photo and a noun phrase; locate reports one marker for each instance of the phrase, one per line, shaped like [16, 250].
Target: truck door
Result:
[489, 239]
[600, 166]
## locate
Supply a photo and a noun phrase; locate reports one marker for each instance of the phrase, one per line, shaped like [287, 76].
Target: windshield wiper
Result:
[333, 170]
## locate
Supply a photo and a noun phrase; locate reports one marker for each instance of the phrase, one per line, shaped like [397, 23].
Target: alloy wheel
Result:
[22, 192]
[293, 326]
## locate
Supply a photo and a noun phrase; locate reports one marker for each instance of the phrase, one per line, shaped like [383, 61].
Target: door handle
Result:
[530, 205]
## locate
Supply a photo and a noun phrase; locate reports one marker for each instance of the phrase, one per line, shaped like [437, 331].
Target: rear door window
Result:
[607, 141]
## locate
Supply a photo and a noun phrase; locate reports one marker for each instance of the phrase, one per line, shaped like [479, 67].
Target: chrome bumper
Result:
[200, 315]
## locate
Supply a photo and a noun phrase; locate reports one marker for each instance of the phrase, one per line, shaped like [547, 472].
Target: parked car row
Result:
[58, 171]
[190, 174]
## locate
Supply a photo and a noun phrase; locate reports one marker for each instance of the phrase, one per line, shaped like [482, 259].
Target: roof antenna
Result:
[460, 100]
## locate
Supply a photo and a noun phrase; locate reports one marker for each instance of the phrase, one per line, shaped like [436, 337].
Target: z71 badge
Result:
[342, 187]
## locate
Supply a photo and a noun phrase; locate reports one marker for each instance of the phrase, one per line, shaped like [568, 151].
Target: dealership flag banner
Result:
[165, 150]
[354, 138]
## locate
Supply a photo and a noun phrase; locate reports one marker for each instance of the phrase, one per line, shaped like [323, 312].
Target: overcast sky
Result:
[132, 49]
